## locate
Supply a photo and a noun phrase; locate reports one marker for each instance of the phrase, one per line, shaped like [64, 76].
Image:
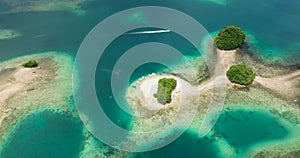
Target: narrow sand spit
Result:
[226, 58]
[286, 85]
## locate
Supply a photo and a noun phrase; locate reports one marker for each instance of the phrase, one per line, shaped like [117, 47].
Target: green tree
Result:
[240, 74]
[30, 63]
[231, 37]
[164, 90]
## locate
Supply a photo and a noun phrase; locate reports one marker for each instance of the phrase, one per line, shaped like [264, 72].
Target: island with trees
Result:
[240, 74]
[163, 102]
[164, 90]
[231, 37]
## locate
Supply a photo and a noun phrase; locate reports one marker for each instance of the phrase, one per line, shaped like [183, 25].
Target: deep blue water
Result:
[275, 24]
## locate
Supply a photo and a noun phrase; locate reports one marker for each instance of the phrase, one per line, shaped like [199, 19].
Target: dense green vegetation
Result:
[164, 90]
[30, 63]
[230, 37]
[240, 74]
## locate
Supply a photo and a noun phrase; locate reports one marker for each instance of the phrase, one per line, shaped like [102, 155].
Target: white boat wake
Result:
[149, 32]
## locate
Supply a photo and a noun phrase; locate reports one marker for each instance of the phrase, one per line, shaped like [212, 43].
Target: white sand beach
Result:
[148, 86]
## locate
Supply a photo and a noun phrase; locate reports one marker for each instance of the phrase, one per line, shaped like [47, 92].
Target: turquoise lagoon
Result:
[45, 134]
[244, 128]
[241, 129]
[273, 23]
[51, 134]
[187, 145]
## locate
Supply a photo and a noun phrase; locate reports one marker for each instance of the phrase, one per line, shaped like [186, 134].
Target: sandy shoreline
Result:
[148, 87]
[26, 89]
[283, 85]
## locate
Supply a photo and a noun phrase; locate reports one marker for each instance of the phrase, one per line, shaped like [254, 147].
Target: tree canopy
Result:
[30, 63]
[164, 90]
[240, 74]
[231, 37]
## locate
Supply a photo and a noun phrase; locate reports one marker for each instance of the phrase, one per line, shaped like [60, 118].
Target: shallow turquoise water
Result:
[45, 134]
[274, 23]
[245, 128]
[187, 145]
[240, 128]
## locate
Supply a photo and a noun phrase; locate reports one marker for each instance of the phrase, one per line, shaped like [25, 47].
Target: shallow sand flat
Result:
[16, 82]
[6, 34]
[28, 89]
[286, 85]
[45, 5]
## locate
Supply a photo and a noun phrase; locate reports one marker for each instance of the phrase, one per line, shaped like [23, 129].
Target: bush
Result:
[164, 90]
[30, 63]
[240, 74]
[231, 37]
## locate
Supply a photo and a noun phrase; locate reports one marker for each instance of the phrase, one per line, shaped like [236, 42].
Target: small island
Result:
[25, 88]
[240, 74]
[164, 90]
[158, 98]
[231, 37]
